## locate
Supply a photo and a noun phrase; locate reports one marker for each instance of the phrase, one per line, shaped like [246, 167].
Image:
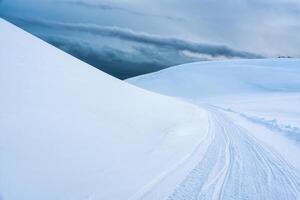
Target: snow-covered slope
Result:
[263, 89]
[254, 109]
[69, 131]
[224, 78]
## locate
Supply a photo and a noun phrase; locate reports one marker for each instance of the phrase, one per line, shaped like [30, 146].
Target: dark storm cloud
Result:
[118, 63]
[170, 43]
[102, 6]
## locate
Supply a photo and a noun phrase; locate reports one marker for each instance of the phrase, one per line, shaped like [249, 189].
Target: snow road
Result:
[254, 116]
[238, 166]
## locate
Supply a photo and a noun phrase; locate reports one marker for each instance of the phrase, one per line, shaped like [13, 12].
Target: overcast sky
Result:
[130, 37]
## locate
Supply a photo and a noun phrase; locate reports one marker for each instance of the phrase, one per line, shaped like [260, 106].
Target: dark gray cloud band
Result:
[143, 38]
[118, 63]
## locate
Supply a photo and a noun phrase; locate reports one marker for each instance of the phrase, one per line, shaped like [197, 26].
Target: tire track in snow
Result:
[200, 175]
[238, 166]
[152, 189]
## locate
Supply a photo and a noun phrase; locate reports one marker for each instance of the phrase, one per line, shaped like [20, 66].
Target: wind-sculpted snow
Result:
[70, 131]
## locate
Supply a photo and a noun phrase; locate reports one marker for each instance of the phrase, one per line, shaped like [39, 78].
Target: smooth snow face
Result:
[224, 78]
[264, 92]
[268, 89]
[69, 131]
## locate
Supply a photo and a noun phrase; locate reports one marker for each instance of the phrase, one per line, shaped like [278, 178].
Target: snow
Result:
[255, 121]
[225, 78]
[70, 131]
[264, 90]
[207, 130]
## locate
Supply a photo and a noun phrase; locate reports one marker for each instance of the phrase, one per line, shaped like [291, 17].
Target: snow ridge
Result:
[292, 132]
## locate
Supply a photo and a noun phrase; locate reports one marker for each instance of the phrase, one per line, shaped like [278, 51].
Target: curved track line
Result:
[238, 166]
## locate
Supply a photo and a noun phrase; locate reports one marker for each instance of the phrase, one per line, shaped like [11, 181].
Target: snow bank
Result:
[69, 131]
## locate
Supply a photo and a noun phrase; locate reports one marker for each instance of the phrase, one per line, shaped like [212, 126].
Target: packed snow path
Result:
[238, 166]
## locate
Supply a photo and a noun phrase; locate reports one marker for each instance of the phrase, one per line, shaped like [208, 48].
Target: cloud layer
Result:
[131, 37]
[144, 38]
[147, 53]
[116, 62]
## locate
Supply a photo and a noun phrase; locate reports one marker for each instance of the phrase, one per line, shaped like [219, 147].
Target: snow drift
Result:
[69, 131]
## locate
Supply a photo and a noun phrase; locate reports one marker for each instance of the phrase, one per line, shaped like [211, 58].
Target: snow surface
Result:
[69, 131]
[254, 115]
[217, 130]
[264, 90]
[225, 78]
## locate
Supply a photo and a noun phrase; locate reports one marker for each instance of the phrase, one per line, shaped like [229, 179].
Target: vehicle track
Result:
[238, 166]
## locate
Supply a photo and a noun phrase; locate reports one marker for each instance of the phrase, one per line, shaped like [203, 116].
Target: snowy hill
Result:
[254, 112]
[225, 78]
[69, 131]
[209, 130]
[267, 89]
